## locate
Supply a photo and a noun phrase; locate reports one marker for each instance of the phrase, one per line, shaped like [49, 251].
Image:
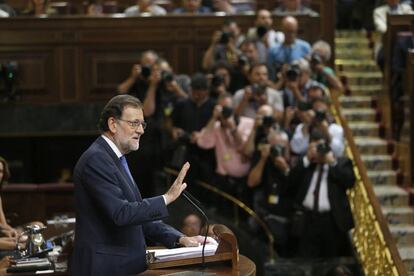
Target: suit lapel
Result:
[127, 180]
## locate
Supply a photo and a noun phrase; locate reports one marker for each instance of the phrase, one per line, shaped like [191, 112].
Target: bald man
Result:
[290, 50]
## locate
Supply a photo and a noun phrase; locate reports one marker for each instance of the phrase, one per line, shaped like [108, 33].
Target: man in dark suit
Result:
[112, 219]
[318, 185]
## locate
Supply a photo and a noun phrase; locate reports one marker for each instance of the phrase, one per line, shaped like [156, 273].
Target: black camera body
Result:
[316, 59]
[226, 112]
[276, 150]
[145, 71]
[217, 80]
[293, 72]
[243, 60]
[268, 121]
[320, 115]
[167, 76]
[224, 38]
[261, 31]
[258, 89]
[323, 148]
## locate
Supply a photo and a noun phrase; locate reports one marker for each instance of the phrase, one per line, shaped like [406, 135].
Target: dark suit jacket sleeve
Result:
[343, 173]
[103, 183]
[158, 231]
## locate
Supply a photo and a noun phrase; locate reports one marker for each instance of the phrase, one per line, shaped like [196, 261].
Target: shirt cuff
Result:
[165, 200]
[306, 161]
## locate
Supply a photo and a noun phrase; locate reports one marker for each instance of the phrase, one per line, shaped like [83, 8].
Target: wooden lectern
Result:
[227, 250]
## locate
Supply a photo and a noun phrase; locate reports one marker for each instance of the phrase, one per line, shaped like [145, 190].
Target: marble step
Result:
[362, 78]
[345, 68]
[407, 256]
[366, 90]
[364, 128]
[351, 43]
[398, 215]
[361, 54]
[377, 162]
[391, 196]
[356, 101]
[371, 145]
[350, 34]
[403, 234]
[382, 177]
[360, 114]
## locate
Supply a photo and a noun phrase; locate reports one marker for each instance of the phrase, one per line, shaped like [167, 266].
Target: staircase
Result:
[356, 67]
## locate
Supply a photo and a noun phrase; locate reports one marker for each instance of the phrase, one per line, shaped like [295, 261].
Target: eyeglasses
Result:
[135, 124]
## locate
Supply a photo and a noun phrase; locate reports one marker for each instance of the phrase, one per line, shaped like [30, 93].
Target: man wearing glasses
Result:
[112, 219]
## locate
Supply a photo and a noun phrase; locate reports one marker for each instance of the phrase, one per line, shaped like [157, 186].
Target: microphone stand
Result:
[193, 201]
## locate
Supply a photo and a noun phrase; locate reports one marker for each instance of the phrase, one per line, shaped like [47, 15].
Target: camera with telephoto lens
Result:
[323, 148]
[320, 115]
[268, 121]
[167, 76]
[258, 89]
[226, 112]
[293, 72]
[304, 106]
[261, 31]
[243, 60]
[276, 150]
[224, 38]
[145, 71]
[316, 59]
[217, 80]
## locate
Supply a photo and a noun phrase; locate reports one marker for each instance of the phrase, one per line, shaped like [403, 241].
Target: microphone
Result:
[197, 205]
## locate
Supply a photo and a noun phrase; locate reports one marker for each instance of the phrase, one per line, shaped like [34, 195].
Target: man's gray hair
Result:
[323, 48]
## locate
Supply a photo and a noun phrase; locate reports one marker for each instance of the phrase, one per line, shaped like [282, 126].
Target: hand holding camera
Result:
[135, 71]
[316, 63]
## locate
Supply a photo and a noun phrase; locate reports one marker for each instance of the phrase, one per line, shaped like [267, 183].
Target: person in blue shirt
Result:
[290, 50]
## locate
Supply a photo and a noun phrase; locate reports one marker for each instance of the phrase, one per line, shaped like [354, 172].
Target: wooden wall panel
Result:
[33, 78]
[84, 58]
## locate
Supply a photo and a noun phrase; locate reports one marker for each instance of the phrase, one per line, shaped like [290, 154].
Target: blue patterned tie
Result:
[125, 165]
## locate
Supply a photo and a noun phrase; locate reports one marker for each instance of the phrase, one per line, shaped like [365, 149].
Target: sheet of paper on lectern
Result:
[183, 252]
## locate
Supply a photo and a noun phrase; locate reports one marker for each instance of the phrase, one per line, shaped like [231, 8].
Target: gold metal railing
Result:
[374, 244]
[237, 204]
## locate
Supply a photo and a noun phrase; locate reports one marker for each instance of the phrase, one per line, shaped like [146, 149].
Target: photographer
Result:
[318, 185]
[263, 33]
[290, 50]
[296, 82]
[268, 182]
[321, 54]
[318, 119]
[137, 82]
[163, 90]
[227, 134]
[223, 46]
[248, 100]
[189, 116]
[221, 79]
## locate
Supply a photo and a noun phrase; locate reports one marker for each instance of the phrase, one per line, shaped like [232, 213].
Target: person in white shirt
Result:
[391, 7]
[248, 100]
[145, 6]
[317, 118]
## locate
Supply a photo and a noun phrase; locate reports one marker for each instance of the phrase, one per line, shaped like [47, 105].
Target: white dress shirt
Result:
[309, 200]
[300, 141]
[119, 154]
[380, 15]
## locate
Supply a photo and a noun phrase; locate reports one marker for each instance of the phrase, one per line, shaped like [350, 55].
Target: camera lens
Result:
[217, 80]
[323, 148]
[268, 121]
[226, 112]
[293, 73]
[224, 38]
[167, 76]
[145, 71]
